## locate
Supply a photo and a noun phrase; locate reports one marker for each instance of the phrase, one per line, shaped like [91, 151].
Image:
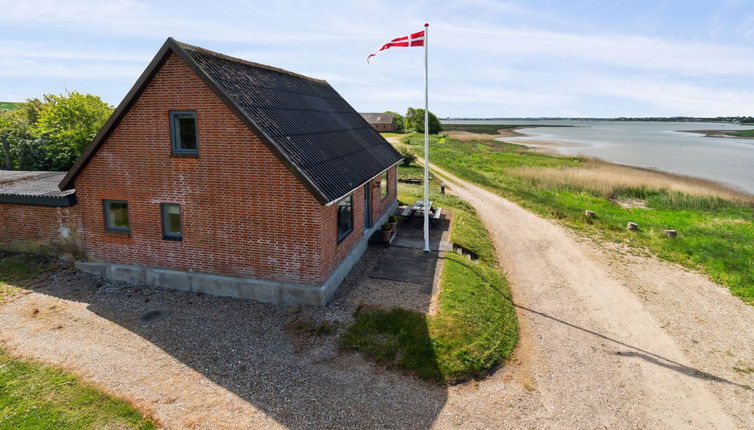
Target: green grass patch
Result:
[34, 396]
[8, 105]
[17, 269]
[387, 134]
[475, 326]
[714, 235]
[740, 133]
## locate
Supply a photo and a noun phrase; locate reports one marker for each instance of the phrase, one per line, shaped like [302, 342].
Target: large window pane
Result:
[184, 132]
[116, 215]
[345, 217]
[171, 221]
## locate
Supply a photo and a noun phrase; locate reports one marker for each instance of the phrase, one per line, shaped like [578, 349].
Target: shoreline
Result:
[548, 148]
[718, 133]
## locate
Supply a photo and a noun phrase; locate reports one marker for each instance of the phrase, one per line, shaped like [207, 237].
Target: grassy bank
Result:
[741, 133]
[475, 325]
[491, 129]
[35, 396]
[725, 133]
[715, 225]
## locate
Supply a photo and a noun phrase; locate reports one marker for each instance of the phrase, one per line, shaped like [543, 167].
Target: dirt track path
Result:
[611, 339]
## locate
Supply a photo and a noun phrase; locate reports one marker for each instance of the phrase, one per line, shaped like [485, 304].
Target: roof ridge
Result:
[247, 62]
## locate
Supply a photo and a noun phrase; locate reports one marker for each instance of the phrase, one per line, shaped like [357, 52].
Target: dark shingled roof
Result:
[34, 188]
[378, 117]
[304, 121]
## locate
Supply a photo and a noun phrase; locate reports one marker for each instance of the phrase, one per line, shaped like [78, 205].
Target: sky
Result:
[487, 58]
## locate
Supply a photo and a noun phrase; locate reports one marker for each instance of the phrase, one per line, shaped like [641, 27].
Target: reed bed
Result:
[613, 181]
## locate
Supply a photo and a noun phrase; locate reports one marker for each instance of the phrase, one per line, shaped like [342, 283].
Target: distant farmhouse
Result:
[218, 175]
[380, 121]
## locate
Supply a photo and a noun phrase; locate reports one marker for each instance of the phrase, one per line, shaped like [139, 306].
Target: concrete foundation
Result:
[245, 288]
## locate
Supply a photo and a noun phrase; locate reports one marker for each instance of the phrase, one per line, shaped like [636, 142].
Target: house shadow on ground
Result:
[284, 361]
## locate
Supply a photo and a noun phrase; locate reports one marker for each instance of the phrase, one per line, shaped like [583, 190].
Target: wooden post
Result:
[632, 226]
[671, 234]
[590, 214]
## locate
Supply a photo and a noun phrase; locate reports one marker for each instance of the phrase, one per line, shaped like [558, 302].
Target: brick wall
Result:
[243, 212]
[332, 255]
[40, 228]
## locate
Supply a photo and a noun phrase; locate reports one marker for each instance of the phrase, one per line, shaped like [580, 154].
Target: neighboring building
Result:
[36, 215]
[220, 175]
[380, 121]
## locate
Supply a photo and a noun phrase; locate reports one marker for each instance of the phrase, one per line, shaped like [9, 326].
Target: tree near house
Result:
[414, 120]
[49, 134]
[66, 124]
[15, 127]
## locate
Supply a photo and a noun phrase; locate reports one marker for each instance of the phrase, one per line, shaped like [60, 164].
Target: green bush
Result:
[409, 157]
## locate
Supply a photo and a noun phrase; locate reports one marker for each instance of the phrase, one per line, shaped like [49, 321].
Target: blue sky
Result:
[487, 58]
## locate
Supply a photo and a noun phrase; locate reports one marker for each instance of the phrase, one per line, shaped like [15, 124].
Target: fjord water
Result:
[660, 145]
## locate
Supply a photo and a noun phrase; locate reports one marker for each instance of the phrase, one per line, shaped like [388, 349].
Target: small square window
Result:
[171, 222]
[116, 215]
[183, 132]
[345, 218]
[383, 186]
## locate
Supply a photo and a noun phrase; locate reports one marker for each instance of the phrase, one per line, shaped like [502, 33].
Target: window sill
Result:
[118, 233]
[172, 238]
[184, 154]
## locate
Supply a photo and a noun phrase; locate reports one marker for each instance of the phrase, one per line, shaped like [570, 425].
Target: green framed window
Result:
[183, 132]
[345, 218]
[116, 215]
[171, 221]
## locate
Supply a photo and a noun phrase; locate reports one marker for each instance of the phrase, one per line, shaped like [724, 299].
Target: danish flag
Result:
[415, 39]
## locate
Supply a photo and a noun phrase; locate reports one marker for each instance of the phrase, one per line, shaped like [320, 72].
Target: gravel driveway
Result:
[614, 339]
[610, 339]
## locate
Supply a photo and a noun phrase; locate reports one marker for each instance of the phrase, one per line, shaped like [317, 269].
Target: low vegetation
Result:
[715, 225]
[17, 269]
[475, 325]
[491, 129]
[35, 396]
[741, 133]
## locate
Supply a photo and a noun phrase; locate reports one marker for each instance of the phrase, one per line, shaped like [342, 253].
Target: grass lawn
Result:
[475, 326]
[715, 234]
[8, 105]
[35, 396]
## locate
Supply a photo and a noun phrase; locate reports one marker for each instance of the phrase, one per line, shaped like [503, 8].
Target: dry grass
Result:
[611, 180]
[466, 136]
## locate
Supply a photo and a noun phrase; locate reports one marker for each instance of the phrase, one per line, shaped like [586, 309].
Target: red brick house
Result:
[380, 121]
[229, 177]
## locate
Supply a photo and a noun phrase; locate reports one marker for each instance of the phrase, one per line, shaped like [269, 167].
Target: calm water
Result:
[657, 145]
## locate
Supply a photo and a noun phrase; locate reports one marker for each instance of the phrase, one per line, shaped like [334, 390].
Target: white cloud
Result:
[488, 58]
[627, 51]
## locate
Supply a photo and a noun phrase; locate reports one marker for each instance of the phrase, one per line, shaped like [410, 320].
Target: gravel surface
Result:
[219, 362]
[613, 339]
[610, 339]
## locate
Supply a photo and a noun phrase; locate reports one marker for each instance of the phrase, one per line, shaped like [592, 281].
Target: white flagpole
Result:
[426, 141]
